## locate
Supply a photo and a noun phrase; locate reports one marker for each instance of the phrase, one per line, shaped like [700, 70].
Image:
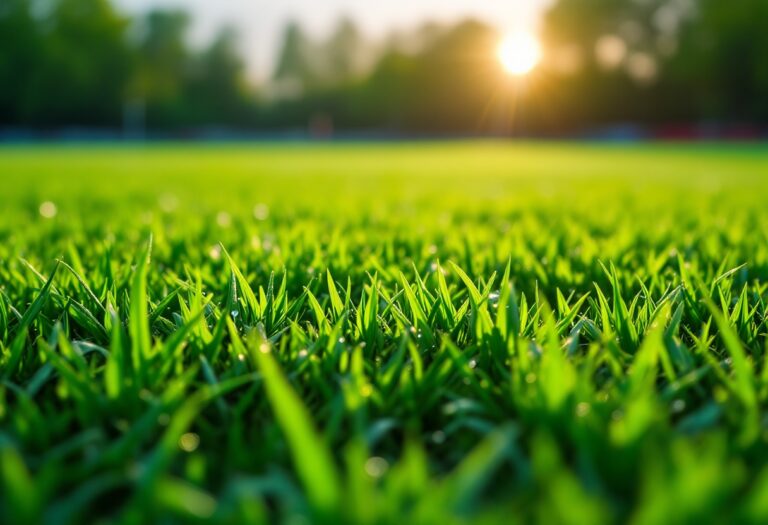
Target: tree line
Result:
[82, 63]
[650, 62]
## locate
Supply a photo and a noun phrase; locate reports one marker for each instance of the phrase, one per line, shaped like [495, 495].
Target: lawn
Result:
[459, 332]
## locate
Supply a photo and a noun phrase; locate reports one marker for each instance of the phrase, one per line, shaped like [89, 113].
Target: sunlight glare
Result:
[519, 53]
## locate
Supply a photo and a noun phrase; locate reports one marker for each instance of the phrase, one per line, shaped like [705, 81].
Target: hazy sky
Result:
[260, 23]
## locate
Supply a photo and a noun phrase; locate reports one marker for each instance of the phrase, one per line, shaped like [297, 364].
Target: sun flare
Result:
[519, 53]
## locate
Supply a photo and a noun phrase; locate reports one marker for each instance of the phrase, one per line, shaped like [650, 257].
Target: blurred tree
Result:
[606, 58]
[723, 59]
[76, 66]
[654, 61]
[385, 95]
[75, 62]
[163, 60]
[447, 86]
[345, 52]
[20, 48]
[216, 88]
[162, 53]
[186, 88]
[294, 71]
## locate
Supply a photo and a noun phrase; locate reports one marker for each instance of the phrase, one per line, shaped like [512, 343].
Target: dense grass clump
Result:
[456, 333]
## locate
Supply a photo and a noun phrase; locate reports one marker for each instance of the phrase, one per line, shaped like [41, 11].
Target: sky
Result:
[260, 23]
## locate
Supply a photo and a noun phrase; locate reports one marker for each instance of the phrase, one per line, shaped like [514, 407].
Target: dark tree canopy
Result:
[606, 62]
[66, 64]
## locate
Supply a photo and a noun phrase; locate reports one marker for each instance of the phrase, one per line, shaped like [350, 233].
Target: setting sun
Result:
[519, 53]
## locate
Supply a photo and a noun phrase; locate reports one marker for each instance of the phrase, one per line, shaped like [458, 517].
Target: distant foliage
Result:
[606, 62]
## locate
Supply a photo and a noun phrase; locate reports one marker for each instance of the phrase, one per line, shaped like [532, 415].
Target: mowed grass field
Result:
[466, 332]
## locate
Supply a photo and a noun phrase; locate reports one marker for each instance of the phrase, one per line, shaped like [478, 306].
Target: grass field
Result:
[425, 333]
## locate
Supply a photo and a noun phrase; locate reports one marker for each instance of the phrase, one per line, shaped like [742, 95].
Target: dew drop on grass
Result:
[48, 210]
[168, 202]
[678, 405]
[234, 314]
[224, 219]
[261, 212]
[376, 467]
[189, 442]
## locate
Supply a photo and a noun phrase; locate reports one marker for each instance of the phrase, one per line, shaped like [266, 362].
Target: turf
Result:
[423, 333]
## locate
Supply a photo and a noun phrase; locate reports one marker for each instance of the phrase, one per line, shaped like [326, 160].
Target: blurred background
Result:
[136, 69]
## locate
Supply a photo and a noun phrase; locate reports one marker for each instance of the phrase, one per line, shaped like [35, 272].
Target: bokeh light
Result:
[519, 53]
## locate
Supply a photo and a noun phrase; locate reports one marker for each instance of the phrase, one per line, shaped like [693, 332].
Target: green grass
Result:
[429, 333]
